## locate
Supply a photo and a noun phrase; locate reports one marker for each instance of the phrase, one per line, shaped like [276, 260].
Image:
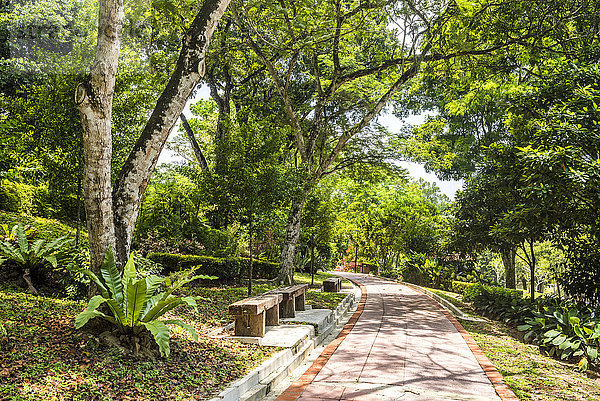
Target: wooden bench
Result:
[332, 284]
[252, 315]
[293, 299]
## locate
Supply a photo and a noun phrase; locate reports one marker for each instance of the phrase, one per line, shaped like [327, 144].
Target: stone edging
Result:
[502, 389]
[258, 383]
[297, 388]
[453, 309]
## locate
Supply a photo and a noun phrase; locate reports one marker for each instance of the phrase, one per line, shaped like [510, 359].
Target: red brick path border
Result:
[296, 388]
[293, 392]
[502, 389]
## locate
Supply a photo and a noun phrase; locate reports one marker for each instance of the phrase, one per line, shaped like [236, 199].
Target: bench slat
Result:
[255, 305]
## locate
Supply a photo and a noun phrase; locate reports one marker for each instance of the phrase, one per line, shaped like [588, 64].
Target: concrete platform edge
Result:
[258, 383]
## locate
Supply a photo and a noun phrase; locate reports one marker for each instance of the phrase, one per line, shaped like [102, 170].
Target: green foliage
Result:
[40, 252]
[581, 274]
[36, 200]
[565, 330]
[137, 303]
[226, 269]
[421, 270]
[500, 303]
[171, 218]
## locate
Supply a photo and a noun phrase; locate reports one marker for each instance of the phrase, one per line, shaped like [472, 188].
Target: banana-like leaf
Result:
[37, 246]
[57, 243]
[160, 332]
[97, 281]
[11, 252]
[52, 260]
[129, 272]
[152, 283]
[162, 307]
[22, 239]
[151, 303]
[90, 311]
[112, 276]
[190, 329]
[136, 297]
[118, 311]
[191, 301]
[2, 260]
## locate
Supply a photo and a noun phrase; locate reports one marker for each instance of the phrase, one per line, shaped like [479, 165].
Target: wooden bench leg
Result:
[299, 302]
[272, 316]
[250, 325]
[286, 308]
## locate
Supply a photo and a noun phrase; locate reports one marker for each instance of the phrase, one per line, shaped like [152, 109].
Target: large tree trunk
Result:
[292, 233]
[94, 100]
[508, 259]
[135, 174]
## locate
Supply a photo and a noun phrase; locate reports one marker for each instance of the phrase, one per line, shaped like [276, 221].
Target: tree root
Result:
[27, 278]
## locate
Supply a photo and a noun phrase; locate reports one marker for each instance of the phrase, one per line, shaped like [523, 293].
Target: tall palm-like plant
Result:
[16, 247]
[136, 304]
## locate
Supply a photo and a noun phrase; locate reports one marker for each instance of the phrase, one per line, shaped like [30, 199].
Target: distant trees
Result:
[387, 219]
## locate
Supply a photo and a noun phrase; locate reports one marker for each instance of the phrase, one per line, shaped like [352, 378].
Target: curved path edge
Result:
[296, 388]
[294, 391]
[502, 389]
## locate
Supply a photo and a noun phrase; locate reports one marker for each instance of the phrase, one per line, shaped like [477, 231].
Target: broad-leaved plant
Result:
[138, 303]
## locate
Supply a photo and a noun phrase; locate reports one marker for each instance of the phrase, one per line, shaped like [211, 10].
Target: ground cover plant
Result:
[563, 328]
[42, 356]
[528, 372]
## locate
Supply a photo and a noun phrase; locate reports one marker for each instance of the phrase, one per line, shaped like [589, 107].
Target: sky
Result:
[387, 119]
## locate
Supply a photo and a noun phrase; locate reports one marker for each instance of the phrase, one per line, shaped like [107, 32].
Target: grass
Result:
[529, 373]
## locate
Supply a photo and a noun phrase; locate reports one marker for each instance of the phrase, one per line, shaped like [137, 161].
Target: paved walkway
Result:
[402, 347]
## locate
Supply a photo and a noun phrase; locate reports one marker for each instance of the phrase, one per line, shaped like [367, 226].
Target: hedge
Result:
[225, 268]
[470, 291]
[37, 201]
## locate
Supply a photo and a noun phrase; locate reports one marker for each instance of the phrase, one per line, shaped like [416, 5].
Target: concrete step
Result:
[299, 340]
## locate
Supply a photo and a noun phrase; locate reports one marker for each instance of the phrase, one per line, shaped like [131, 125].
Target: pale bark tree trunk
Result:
[508, 260]
[111, 216]
[292, 233]
[94, 100]
[135, 174]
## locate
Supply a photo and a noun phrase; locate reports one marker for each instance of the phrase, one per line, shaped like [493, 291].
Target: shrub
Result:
[224, 268]
[17, 197]
[136, 303]
[459, 287]
[421, 270]
[565, 330]
[39, 201]
[501, 303]
[560, 328]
